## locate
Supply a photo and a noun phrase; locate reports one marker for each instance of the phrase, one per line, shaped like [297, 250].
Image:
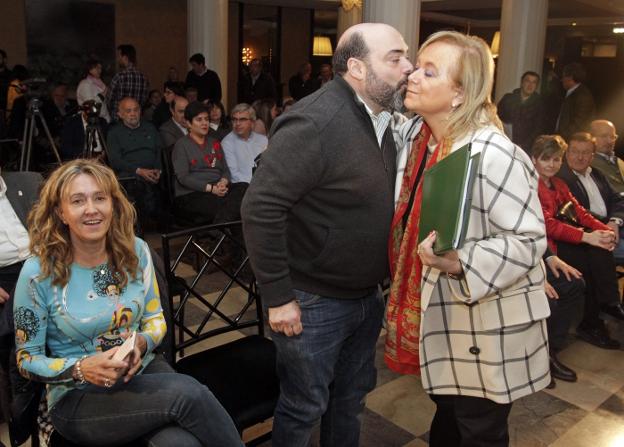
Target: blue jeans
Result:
[160, 406]
[327, 370]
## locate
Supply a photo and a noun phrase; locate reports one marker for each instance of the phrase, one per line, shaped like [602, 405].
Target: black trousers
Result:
[465, 421]
[598, 269]
[207, 208]
[571, 295]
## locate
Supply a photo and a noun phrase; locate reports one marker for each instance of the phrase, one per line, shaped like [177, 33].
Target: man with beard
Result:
[316, 219]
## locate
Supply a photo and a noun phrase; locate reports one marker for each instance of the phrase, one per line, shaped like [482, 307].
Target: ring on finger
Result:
[107, 383]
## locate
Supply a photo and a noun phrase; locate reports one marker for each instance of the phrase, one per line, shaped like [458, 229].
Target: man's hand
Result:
[286, 319]
[551, 292]
[616, 230]
[150, 175]
[557, 266]
[4, 296]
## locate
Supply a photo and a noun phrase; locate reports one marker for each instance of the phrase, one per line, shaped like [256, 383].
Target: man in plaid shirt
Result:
[129, 82]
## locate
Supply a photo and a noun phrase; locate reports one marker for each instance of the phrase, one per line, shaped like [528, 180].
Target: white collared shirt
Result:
[596, 203]
[380, 121]
[611, 158]
[14, 239]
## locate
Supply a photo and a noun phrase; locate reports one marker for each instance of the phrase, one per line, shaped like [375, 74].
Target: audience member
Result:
[316, 219]
[16, 89]
[591, 190]
[204, 80]
[6, 76]
[522, 112]
[73, 144]
[202, 189]
[191, 94]
[219, 126]
[605, 159]
[302, 83]
[93, 88]
[578, 107]
[154, 98]
[266, 112]
[127, 83]
[162, 113]
[172, 74]
[243, 145]
[176, 127]
[87, 258]
[134, 152]
[57, 109]
[326, 74]
[256, 84]
[552, 94]
[18, 192]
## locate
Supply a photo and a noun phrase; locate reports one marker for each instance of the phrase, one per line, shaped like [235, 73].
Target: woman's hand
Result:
[550, 291]
[220, 189]
[101, 370]
[135, 357]
[447, 263]
[600, 238]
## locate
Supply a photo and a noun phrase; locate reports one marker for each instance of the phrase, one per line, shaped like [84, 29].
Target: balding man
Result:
[176, 127]
[316, 220]
[605, 159]
[134, 152]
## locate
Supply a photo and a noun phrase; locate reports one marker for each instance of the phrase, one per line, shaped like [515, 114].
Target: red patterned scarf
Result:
[403, 311]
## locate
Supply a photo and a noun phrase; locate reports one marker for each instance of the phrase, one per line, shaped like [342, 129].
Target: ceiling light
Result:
[573, 23]
[618, 30]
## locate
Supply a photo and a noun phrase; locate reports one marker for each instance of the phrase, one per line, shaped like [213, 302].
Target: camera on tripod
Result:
[33, 87]
[92, 109]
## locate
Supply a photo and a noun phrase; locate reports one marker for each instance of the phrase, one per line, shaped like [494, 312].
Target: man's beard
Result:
[379, 91]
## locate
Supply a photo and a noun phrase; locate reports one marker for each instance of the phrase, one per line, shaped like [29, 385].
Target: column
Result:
[208, 34]
[404, 15]
[523, 38]
[349, 14]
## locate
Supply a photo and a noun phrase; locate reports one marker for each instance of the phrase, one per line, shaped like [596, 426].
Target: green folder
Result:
[446, 199]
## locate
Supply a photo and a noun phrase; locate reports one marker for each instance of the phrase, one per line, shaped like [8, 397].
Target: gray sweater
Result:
[317, 213]
[195, 167]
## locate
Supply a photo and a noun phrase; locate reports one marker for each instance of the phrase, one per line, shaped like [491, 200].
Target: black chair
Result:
[241, 373]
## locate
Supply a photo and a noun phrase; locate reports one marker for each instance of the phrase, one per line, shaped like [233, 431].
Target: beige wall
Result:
[233, 56]
[157, 28]
[296, 42]
[13, 31]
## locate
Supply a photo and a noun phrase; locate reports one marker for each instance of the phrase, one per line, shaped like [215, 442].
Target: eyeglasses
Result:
[240, 120]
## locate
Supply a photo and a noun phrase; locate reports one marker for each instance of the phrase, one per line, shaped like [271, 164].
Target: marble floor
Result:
[589, 413]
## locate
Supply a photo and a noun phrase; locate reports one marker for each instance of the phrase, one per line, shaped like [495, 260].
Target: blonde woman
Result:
[472, 321]
[90, 284]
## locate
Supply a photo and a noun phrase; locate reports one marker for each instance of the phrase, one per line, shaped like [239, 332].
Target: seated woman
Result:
[586, 244]
[472, 320]
[266, 112]
[202, 188]
[90, 284]
[219, 127]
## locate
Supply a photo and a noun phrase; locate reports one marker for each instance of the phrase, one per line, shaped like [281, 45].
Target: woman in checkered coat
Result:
[472, 321]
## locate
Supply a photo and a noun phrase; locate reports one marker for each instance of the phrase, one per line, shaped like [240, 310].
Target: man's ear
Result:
[356, 68]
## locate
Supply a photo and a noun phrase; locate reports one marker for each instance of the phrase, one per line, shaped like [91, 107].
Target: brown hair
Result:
[583, 137]
[50, 239]
[547, 146]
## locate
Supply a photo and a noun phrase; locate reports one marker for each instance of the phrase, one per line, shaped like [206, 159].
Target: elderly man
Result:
[134, 153]
[605, 159]
[316, 219]
[591, 189]
[243, 145]
[176, 127]
[257, 84]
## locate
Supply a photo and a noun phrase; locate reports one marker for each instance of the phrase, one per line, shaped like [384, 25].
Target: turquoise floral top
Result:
[85, 317]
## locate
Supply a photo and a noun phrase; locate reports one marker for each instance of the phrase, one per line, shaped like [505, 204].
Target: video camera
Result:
[33, 87]
[92, 109]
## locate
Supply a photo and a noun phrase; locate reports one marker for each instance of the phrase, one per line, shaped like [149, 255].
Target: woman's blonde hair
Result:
[474, 75]
[49, 236]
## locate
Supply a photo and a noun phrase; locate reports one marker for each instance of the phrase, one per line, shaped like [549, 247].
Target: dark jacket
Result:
[208, 85]
[263, 88]
[577, 112]
[526, 117]
[170, 134]
[73, 137]
[317, 213]
[299, 88]
[613, 201]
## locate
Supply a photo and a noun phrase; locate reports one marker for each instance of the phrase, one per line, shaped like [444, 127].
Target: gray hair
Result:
[244, 107]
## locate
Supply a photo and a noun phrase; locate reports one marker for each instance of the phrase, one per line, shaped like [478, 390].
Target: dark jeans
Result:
[161, 406]
[207, 208]
[598, 269]
[465, 421]
[327, 370]
[146, 197]
[571, 294]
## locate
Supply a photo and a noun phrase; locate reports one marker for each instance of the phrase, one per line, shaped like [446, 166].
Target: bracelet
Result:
[80, 378]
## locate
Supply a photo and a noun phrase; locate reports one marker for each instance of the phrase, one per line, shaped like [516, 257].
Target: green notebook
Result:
[446, 198]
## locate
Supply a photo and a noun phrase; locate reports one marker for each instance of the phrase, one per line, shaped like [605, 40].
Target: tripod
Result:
[32, 114]
[93, 133]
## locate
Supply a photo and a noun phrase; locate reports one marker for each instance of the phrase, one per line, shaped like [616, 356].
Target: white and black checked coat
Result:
[485, 336]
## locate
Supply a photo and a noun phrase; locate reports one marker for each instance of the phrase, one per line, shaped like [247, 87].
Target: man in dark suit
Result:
[73, 136]
[592, 190]
[578, 108]
[18, 192]
[174, 128]
[257, 84]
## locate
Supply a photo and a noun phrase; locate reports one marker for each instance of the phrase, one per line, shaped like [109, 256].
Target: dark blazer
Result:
[73, 137]
[613, 201]
[170, 134]
[22, 192]
[263, 88]
[577, 112]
